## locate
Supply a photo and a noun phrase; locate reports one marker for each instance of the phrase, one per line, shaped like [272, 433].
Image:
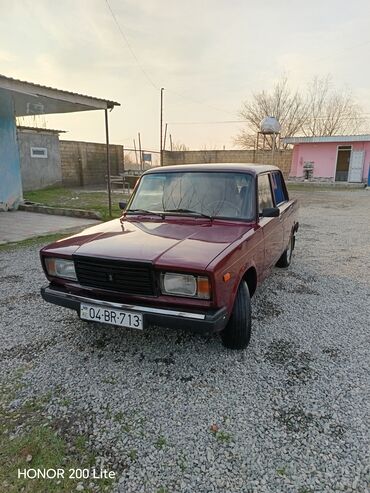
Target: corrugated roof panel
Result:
[327, 138]
[39, 86]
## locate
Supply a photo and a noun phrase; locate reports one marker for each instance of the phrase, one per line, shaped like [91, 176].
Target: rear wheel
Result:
[237, 333]
[286, 258]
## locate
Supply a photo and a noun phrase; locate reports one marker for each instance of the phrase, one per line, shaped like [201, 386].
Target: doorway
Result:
[343, 160]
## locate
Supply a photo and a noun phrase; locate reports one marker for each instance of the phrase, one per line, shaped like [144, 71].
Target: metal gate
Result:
[356, 166]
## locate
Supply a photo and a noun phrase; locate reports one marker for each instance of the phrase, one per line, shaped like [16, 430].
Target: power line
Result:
[124, 37]
[149, 79]
[155, 86]
[207, 123]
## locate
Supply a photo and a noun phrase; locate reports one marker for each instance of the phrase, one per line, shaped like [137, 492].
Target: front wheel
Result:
[286, 258]
[237, 333]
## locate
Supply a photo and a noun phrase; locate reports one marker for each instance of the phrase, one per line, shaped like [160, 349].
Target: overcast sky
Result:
[209, 55]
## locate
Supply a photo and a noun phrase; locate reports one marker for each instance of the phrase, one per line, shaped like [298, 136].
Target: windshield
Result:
[215, 194]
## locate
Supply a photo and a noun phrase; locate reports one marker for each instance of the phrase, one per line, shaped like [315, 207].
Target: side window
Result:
[264, 193]
[277, 188]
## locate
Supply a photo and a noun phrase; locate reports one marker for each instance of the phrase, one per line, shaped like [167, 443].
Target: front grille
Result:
[115, 275]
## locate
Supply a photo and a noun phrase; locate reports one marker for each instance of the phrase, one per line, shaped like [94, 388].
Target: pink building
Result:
[333, 158]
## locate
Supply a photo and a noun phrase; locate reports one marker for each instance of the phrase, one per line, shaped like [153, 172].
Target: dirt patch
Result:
[266, 309]
[12, 278]
[296, 420]
[15, 299]
[28, 352]
[169, 360]
[303, 289]
[292, 282]
[333, 353]
[287, 355]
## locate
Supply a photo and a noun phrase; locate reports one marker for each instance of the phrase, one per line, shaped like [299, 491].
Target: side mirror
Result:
[270, 212]
[122, 205]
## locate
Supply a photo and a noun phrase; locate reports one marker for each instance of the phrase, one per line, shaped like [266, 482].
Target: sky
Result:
[209, 55]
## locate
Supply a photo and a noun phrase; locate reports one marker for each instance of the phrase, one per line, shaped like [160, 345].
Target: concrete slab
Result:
[21, 225]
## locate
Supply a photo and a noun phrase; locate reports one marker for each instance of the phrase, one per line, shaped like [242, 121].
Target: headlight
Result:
[60, 267]
[185, 285]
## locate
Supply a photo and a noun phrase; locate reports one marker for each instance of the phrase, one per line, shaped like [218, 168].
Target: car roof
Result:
[252, 168]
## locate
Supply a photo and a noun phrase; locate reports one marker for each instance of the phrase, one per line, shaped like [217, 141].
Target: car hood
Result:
[191, 243]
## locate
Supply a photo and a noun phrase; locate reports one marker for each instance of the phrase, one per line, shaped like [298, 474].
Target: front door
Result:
[356, 166]
[343, 160]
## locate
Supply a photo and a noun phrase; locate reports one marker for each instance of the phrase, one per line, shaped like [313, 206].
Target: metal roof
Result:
[33, 99]
[327, 138]
[236, 167]
[24, 128]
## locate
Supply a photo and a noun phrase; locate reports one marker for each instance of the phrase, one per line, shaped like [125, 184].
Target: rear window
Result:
[264, 193]
[278, 189]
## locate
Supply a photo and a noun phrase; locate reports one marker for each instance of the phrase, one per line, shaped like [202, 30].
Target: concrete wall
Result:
[39, 172]
[85, 163]
[282, 158]
[10, 173]
[324, 157]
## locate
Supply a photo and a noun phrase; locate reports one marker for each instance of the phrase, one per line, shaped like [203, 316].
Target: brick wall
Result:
[282, 158]
[85, 163]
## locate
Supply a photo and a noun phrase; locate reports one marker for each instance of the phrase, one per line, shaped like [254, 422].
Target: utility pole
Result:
[141, 154]
[165, 137]
[161, 129]
[137, 164]
[171, 143]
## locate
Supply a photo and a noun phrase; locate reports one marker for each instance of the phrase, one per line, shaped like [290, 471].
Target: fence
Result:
[85, 163]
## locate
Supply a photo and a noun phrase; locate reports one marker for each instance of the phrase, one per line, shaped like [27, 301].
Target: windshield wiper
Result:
[189, 211]
[144, 211]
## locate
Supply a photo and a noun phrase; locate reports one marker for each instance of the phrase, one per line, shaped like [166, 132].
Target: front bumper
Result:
[209, 321]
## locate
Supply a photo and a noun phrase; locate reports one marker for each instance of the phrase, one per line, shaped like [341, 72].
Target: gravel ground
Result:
[170, 411]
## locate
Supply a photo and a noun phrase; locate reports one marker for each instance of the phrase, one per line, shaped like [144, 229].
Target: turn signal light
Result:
[204, 288]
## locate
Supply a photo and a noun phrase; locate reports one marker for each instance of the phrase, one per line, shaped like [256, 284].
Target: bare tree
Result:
[178, 146]
[329, 111]
[284, 104]
[321, 110]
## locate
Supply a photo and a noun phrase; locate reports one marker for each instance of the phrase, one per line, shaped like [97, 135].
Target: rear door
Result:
[281, 200]
[272, 226]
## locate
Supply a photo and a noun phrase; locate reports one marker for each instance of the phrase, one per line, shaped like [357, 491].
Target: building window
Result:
[40, 152]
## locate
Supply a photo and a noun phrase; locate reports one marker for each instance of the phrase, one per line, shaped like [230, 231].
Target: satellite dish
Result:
[270, 125]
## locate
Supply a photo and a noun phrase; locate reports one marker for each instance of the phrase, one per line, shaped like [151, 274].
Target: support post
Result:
[161, 128]
[108, 163]
[123, 159]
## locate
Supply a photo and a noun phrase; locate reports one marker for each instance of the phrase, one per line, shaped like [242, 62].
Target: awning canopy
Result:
[34, 99]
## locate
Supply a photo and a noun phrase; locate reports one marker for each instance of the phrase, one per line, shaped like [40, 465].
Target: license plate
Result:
[111, 316]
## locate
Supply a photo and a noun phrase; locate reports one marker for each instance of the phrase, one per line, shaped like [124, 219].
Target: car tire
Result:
[286, 258]
[237, 333]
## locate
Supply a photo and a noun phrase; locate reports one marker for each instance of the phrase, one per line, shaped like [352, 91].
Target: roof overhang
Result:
[328, 138]
[38, 130]
[34, 99]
